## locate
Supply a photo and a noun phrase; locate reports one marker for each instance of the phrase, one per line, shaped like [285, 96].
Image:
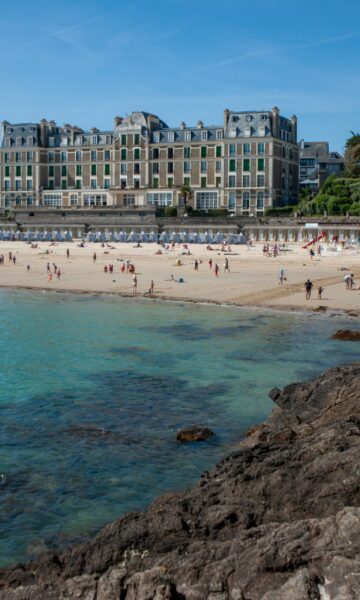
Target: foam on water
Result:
[93, 390]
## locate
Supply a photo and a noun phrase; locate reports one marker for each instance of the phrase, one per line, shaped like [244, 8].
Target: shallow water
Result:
[93, 390]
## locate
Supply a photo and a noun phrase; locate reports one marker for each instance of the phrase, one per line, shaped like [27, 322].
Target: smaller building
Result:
[317, 163]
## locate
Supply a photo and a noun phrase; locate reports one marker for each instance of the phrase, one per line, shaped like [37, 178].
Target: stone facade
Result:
[247, 164]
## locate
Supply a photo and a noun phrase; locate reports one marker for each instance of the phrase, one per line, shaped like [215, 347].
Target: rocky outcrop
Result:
[279, 519]
[194, 434]
[346, 335]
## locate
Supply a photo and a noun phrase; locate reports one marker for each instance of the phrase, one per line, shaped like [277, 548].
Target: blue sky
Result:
[85, 61]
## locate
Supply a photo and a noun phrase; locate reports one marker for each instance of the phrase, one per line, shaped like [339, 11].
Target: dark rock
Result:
[194, 434]
[278, 519]
[346, 335]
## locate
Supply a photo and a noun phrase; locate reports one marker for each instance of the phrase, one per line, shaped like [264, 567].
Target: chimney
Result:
[293, 121]
[182, 125]
[226, 117]
[199, 124]
[117, 121]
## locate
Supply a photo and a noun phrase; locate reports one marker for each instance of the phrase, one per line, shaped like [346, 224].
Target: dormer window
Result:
[170, 136]
[261, 131]
[263, 117]
[204, 135]
[30, 141]
[19, 141]
[248, 118]
[187, 136]
[156, 137]
[9, 130]
[94, 140]
[247, 131]
[219, 134]
[64, 141]
[7, 142]
[234, 119]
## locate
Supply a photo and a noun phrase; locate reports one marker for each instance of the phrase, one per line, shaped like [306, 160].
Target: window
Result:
[246, 148]
[136, 139]
[203, 182]
[246, 181]
[78, 155]
[93, 184]
[170, 167]
[123, 183]
[29, 171]
[260, 200]
[137, 168]
[29, 200]
[160, 198]
[232, 164]
[93, 169]
[18, 184]
[232, 201]
[247, 131]
[156, 137]
[232, 149]
[218, 151]
[218, 166]
[156, 182]
[7, 142]
[137, 183]
[30, 140]
[218, 182]
[94, 139]
[170, 152]
[107, 169]
[203, 166]
[155, 153]
[246, 164]
[203, 151]
[123, 139]
[219, 134]
[6, 157]
[260, 180]
[52, 199]
[261, 148]
[73, 200]
[204, 135]
[19, 141]
[261, 131]
[187, 166]
[129, 199]
[78, 170]
[63, 184]
[93, 155]
[170, 182]
[123, 153]
[95, 200]
[107, 183]
[187, 152]
[206, 200]
[170, 136]
[187, 181]
[64, 171]
[232, 181]
[261, 164]
[246, 201]
[7, 171]
[107, 155]
[29, 156]
[7, 186]
[29, 185]
[51, 184]
[187, 136]
[63, 156]
[136, 153]
[123, 168]
[51, 157]
[78, 184]
[18, 171]
[155, 168]
[51, 171]
[17, 156]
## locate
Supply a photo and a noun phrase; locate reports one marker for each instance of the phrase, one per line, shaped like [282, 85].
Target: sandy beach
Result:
[252, 280]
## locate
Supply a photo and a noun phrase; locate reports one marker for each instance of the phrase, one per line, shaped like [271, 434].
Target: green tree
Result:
[352, 155]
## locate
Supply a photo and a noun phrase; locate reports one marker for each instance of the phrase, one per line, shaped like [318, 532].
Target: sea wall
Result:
[278, 519]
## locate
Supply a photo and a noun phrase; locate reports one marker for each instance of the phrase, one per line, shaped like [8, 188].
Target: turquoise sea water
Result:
[140, 370]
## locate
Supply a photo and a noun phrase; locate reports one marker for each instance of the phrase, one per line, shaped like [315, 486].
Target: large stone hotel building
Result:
[247, 164]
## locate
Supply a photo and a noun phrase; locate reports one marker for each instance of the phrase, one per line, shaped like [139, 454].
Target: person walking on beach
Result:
[14, 260]
[281, 276]
[349, 281]
[58, 274]
[196, 265]
[10, 257]
[308, 287]
[105, 269]
[134, 283]
[94, 257]
[210, 263]
[48, 267]
[320, 291]
[67, 253]
[226, 265]
[216, 270]
[151, 288]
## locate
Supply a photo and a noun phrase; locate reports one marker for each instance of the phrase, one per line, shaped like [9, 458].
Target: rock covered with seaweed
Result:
[278, 519]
